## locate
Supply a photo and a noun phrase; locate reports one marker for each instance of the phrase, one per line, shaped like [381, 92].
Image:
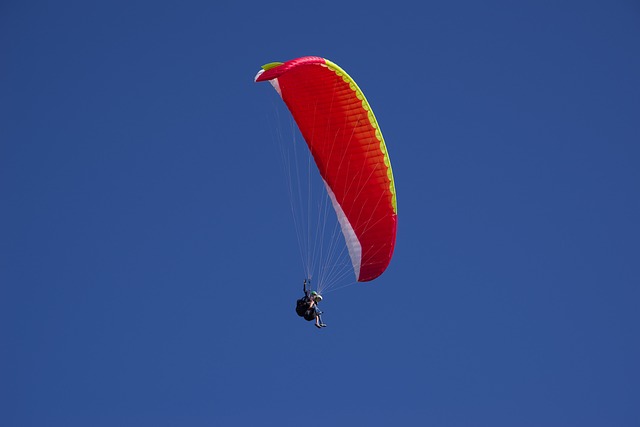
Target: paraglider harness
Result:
[304, 308]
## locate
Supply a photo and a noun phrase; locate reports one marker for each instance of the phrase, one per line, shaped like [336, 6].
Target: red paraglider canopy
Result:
[343, 135]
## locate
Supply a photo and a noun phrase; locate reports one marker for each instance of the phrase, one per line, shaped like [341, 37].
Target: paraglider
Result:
[307, 306]
[344, 138]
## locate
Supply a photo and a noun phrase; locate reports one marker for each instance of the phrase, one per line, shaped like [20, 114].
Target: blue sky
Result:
[148, 261]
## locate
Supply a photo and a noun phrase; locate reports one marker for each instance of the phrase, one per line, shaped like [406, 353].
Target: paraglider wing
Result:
[345, 141]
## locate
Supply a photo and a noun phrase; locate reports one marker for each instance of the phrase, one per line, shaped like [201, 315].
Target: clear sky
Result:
[148, 261]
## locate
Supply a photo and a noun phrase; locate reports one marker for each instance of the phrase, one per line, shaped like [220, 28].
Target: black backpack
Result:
[303, 310]
[301, 306]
